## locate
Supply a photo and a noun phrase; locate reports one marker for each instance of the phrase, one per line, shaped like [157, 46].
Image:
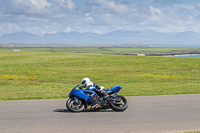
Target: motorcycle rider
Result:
[87, 83]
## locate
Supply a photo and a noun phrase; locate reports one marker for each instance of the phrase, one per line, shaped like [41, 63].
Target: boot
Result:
[105, 95]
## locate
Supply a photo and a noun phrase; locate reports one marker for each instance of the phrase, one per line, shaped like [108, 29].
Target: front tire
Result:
[77, 106]
[120, 105]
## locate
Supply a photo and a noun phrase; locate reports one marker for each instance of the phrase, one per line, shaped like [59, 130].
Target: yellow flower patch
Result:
[21, 79]
[170, 76]
[163, 76]
[16, 77]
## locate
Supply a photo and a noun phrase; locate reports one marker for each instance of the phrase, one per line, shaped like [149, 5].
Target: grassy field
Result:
[41, 75]
[110, 50]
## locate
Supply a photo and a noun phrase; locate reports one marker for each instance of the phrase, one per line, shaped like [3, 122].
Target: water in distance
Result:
[188, 55]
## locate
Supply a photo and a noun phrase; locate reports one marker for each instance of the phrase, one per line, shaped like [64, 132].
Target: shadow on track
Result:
[86, 111]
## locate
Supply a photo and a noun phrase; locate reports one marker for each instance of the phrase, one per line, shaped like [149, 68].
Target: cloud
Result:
[36, 16]
[24, 7]
[47, 16]
[59, 5]
[18, 7]
[167, 2]
[111, 13]
[154, 11]
[36, 4]
[9, 27]
[197, 6]
[103, 6]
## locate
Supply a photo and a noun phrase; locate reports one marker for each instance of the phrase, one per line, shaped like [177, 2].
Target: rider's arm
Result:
[80, 87]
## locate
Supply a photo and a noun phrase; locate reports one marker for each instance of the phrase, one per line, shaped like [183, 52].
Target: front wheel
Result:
[75, 106]
[119, 105]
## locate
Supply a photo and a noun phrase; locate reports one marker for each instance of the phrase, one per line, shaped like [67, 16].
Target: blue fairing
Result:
[114, 89]
[80, 93]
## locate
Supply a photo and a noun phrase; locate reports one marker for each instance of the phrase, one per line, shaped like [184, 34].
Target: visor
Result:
[83, 82]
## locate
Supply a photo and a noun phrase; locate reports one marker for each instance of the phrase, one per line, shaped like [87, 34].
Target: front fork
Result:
[75, 99]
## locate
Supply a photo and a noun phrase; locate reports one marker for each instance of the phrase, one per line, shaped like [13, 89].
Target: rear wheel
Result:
[76, 106]
[119, 105]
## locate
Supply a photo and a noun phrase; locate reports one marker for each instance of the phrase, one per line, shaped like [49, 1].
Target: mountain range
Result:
[145, 37]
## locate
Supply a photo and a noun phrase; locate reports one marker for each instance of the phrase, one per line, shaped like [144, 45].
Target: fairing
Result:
[80, 93]
[114, 89]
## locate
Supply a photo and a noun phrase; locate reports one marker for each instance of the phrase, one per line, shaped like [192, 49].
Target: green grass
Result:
[42, 75]
[110, 50]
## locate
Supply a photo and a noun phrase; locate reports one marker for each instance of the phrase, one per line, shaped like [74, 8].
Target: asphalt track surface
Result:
[149, 114]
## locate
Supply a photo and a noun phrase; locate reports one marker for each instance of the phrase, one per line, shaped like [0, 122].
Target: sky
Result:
[99, 16]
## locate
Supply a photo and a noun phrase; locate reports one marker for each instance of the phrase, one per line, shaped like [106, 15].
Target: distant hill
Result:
[20, 37]
[117, 37]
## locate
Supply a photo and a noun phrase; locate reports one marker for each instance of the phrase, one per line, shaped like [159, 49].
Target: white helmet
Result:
[85, 81]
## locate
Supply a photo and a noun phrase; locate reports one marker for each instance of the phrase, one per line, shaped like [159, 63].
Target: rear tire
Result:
[77, 106]
[119, 105]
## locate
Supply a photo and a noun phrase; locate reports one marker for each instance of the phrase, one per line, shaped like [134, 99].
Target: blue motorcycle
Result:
[80, 99]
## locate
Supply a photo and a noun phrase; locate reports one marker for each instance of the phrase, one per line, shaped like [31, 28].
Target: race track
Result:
[144, 114]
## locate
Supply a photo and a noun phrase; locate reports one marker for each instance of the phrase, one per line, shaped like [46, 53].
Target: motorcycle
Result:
[80, 99]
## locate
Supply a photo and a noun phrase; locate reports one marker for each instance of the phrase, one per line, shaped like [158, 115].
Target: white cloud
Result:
[102, 6]
[197, 6]
[30, 6]
[70, 4]
[168, 2]
[8, 27]
[154, 11]
[187, 7]
[112, 5]
[87, 14]
[40, 4]
[67, 4]
[42, 16]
